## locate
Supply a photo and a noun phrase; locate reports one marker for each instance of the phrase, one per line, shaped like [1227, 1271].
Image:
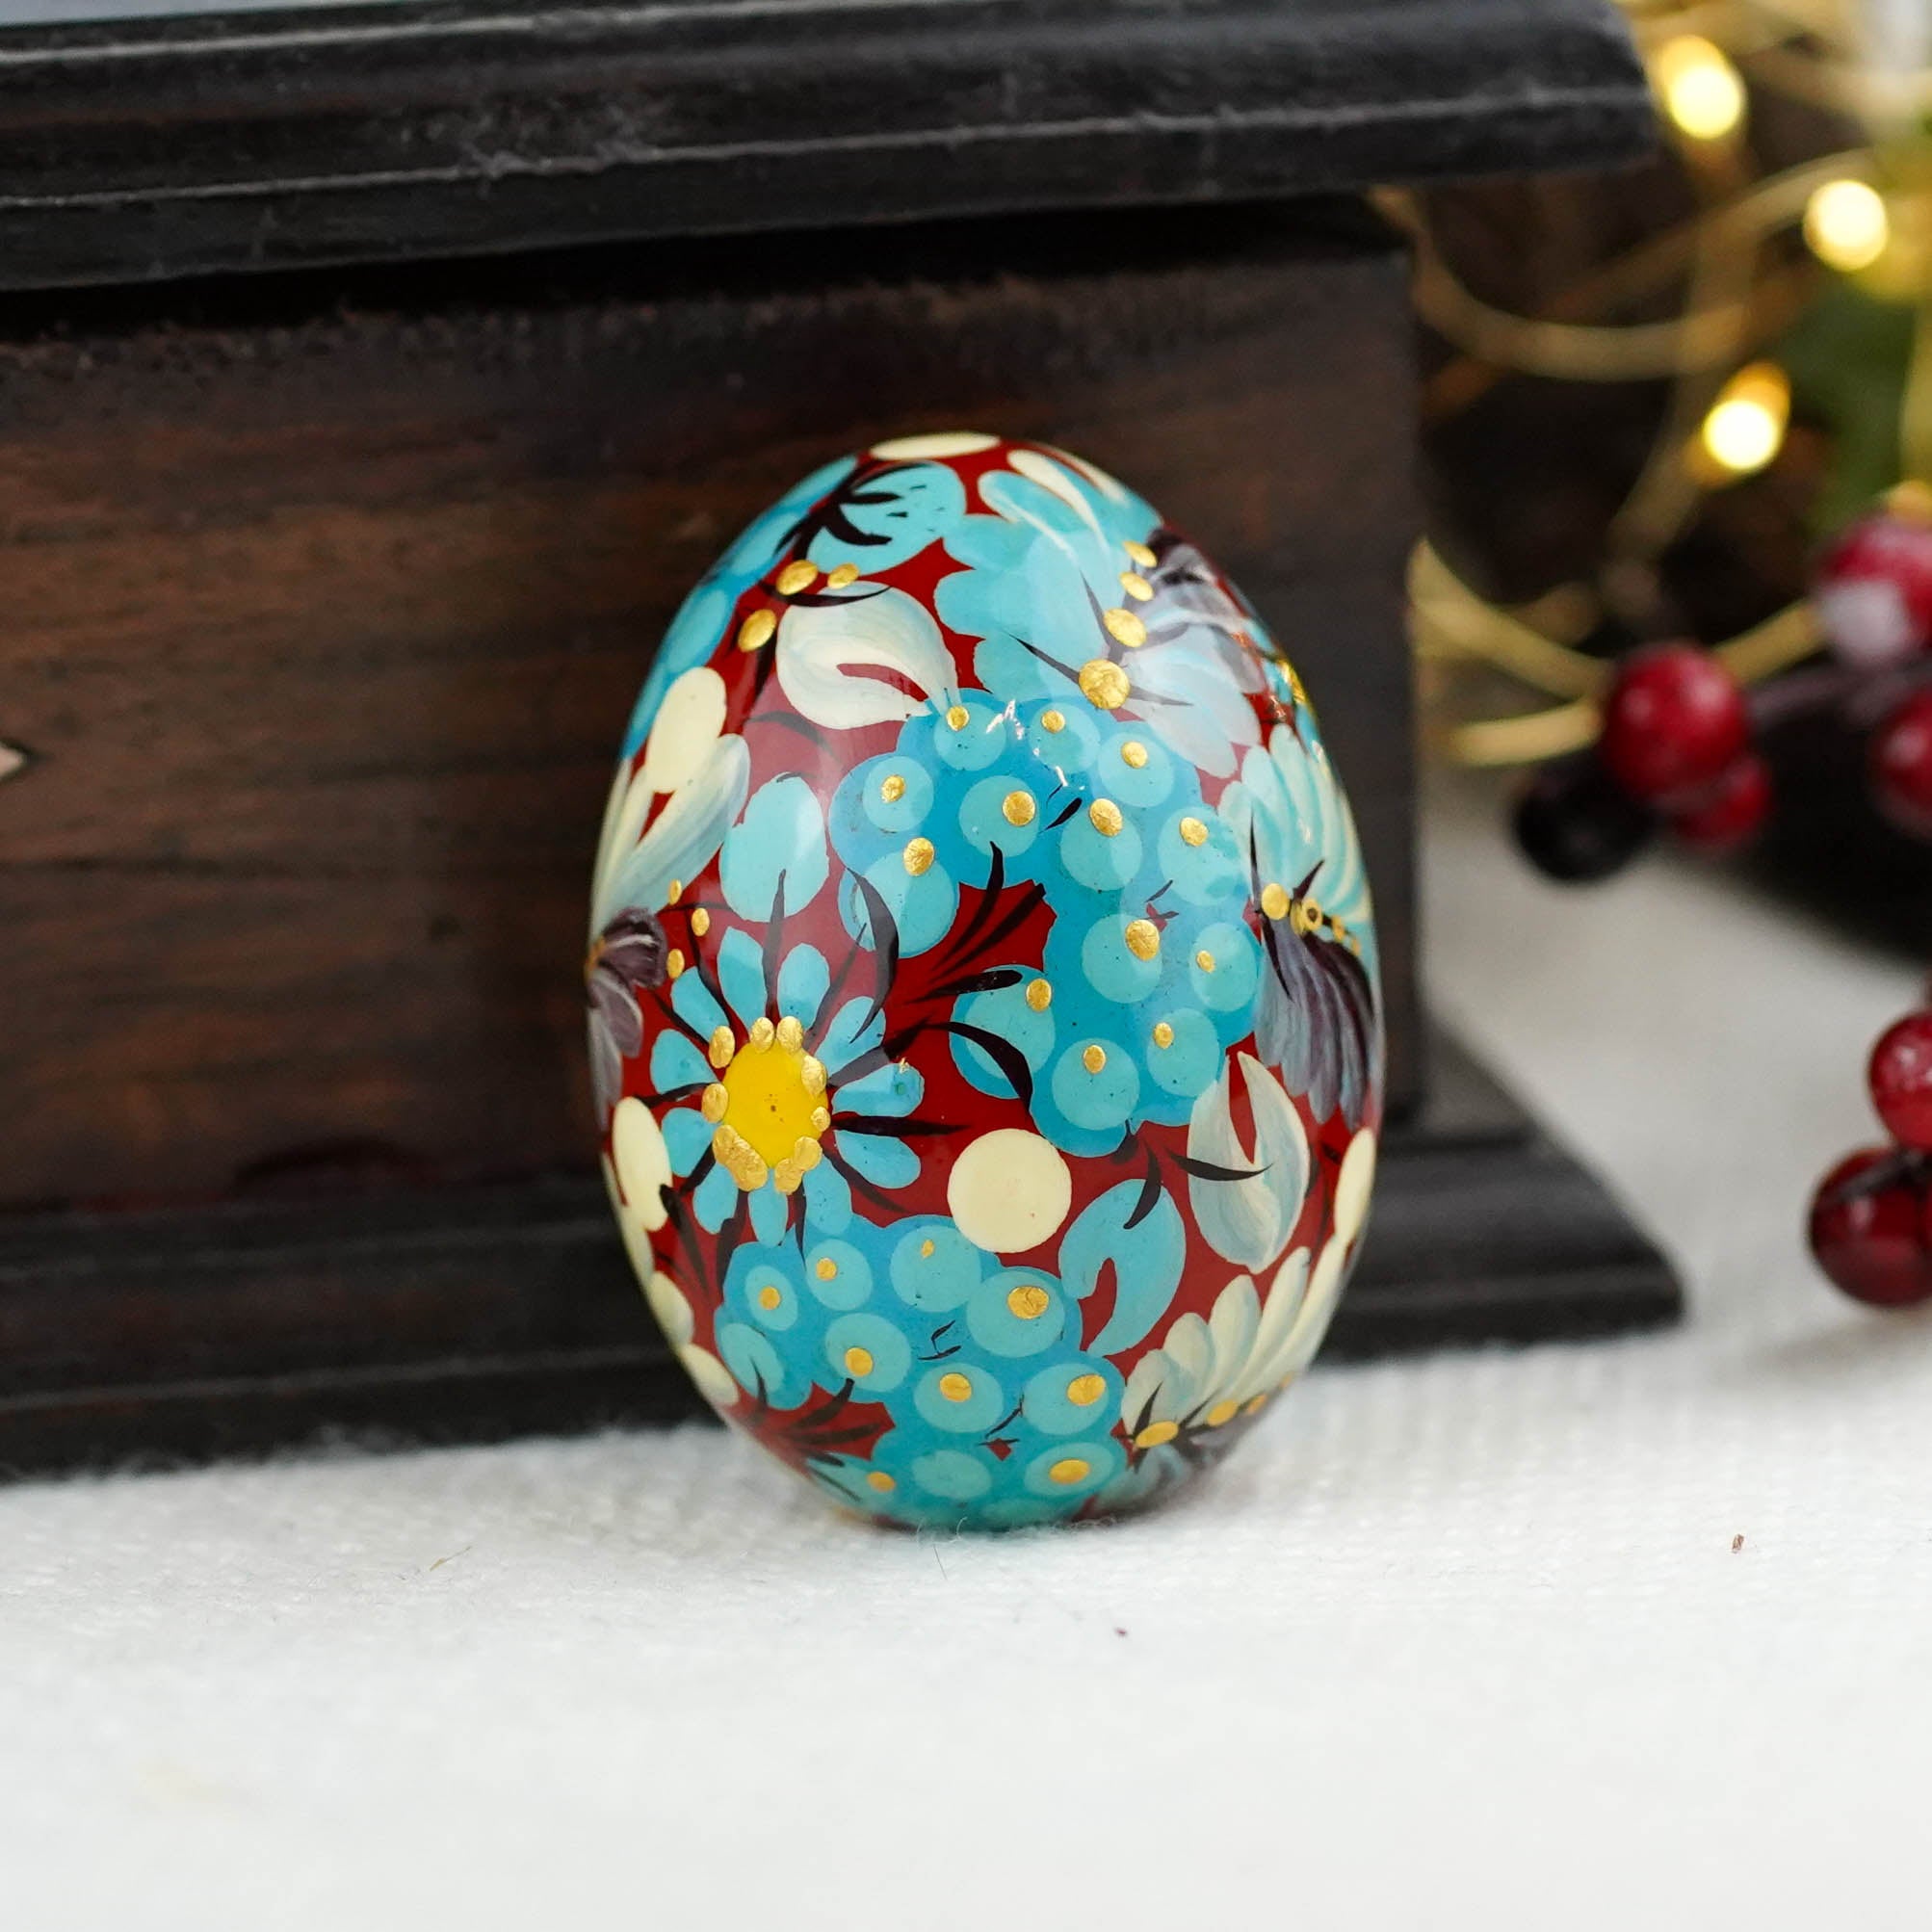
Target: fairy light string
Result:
[1864, 210]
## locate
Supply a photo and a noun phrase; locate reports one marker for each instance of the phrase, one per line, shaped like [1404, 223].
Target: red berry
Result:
[1732, 812]
[1674, 722]
[1900, 1078]
[1874, 590]
[1901, 766]
[1868, 1228]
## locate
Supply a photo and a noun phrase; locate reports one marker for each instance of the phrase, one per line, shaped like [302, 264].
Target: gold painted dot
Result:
[892, 788]
[1135, 586]
[954, 1387]
[1164, 1035]
[1053, 720]
[858, 1362]
[1094, 1058]
[769, 1297]
[1257, 1403]
[1157, 1433]
[1103, 682]
[1220, 1413]
[1141, 555]
[1018, 808]
[878, 1479]
[700, 922]
[790, 1034]
[1030, 1301]
[1193, 832]
[717, 1099]
[1134, 753]
[762, 1032]
[1205, 960]
[796, 576]
[1143, 938]
[1274, 902]
[918, 855]
[1125, 628]
[1106, 817]
[676, 891]
[846, 573]
[1084, 1391]
[724, 1044]
[925, 1250]
[1071, 1469]
[673, 963]
[755, 632]
[957, 717]
[1039, 995]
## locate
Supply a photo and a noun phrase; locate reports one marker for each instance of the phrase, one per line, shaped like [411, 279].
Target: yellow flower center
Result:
[770, 1109]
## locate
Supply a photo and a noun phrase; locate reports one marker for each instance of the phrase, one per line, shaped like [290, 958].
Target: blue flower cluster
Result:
[996, 1410]
[1150, 970]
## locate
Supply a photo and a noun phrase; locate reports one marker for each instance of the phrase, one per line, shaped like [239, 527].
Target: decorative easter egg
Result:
[985, 1021]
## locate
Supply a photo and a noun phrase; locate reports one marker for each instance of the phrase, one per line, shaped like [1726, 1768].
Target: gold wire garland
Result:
[1725, 415]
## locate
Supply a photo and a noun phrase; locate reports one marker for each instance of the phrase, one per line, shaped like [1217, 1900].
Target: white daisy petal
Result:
[825, 652]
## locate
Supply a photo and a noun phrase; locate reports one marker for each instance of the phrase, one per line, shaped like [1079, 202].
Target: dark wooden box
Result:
[329, 591]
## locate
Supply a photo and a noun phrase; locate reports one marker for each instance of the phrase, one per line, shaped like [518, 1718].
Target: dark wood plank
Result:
[147, 148]
[484, 1312]
[322, 631]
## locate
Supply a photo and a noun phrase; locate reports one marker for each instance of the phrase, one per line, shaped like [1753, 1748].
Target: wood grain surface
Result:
[325, 608]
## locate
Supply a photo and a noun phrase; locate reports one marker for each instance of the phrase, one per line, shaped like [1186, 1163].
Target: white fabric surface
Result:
[1461, 1641]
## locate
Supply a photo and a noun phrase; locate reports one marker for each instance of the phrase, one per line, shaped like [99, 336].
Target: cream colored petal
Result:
[1325, 1291]
[1146, 1399]
[827, 651]
[637, 1241]
[684, 838]
[1353, 1185]
[1009, 1190]
[713, 1378]
[688, 724]
[1190, 1350]
[624, 813]
[1050, 475]
[1248, 1221]
[1231, 1327]
[669, 1305]
[1272, 1359]
[642, 1161]
[941, 443]
[1109, 487]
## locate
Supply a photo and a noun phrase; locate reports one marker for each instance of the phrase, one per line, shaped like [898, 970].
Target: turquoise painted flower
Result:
[1001, 1411]
[1071, 568]
[793, 1094]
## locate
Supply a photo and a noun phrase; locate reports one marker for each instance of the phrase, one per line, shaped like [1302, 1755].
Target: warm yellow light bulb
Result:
[1700, 90]
[1847, 225]
[1745, 429]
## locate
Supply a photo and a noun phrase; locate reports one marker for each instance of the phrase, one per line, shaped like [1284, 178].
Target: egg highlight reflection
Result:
[985, 1023]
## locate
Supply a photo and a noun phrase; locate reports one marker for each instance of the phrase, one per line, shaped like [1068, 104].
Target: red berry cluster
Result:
[1871, 1217]
[1676, 737]
[1676, 751]
[1873, 595]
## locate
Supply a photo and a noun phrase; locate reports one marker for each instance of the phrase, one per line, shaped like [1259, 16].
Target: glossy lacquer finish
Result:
[983, 1004]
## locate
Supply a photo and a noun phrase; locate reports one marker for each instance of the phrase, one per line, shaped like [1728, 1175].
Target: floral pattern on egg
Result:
[985, 1021]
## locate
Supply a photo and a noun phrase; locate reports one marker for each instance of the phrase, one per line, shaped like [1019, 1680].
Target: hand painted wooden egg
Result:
[983, 1006]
